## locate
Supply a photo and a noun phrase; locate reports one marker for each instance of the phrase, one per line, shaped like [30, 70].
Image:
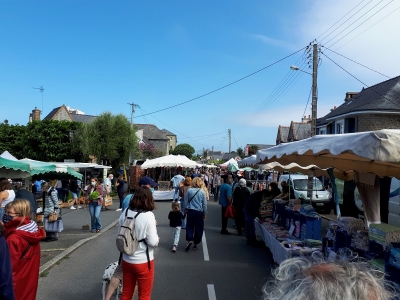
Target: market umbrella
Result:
[14, 169]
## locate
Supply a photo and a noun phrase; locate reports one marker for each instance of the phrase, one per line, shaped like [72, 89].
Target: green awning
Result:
[14, 168]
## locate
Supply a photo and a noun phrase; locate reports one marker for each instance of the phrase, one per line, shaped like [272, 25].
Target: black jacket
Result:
[175, 218]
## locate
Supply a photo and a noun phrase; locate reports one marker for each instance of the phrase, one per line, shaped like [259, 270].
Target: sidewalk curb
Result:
[73, 247]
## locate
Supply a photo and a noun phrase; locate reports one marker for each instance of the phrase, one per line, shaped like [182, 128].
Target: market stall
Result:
[366, 155]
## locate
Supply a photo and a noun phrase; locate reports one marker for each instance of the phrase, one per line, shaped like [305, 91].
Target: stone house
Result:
[299, 131]
[373, 108]
[64, 113]
[155, 136]
[282, 135]
[173, 141]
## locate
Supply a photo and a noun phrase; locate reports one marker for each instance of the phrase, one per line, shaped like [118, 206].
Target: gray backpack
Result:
[126, 240]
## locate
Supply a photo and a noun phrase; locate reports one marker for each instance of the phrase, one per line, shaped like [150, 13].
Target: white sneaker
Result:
[119, 209]
[79, 206]
[72, 207]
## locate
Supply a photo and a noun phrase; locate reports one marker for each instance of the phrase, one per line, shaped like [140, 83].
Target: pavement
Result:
[73, 236]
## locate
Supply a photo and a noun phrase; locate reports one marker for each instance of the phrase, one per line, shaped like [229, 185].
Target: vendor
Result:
[285, 194]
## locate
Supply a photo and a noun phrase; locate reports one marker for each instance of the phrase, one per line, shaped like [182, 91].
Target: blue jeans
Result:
[1, 214]
[216, 191]
[250, 230]
[176, 194]
[184, 220]
[176, 231]
[94, 210]
[194, 226]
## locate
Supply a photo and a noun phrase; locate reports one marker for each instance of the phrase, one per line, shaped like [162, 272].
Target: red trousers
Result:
[141, 274]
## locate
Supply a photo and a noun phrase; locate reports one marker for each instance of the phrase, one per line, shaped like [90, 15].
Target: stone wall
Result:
[377, 121]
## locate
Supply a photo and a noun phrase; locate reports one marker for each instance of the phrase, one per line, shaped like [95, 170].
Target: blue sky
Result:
[97, 56]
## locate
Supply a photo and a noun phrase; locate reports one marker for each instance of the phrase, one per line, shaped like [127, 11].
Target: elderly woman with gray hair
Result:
[314, 279]
[240, 196]
[50, 203]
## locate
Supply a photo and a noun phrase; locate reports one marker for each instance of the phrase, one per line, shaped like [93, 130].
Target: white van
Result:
[321, 199]
[394, 203]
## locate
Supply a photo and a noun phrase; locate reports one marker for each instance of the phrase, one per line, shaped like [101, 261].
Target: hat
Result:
[147, 181]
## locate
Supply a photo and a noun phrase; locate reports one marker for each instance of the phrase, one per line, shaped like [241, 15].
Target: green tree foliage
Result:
[240, 152]
[108, 137]
[47, 140]
[253, 149]
[184, 149]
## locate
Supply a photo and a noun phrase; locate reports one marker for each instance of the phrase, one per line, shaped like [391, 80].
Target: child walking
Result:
[175, 220]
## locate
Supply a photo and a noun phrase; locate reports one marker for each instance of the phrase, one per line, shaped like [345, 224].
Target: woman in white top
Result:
[7, 194]
[139, 267]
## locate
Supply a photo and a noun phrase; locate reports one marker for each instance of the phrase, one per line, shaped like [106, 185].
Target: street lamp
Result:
[296, 68]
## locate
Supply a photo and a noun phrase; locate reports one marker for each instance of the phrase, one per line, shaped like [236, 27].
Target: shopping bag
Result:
[53, 217]
[56, 226]
[229, 213]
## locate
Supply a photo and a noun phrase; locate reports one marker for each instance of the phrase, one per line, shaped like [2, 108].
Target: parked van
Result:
[321, 198]
[394, 203]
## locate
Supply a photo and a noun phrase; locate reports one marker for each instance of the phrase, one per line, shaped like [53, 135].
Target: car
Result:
[321, 198]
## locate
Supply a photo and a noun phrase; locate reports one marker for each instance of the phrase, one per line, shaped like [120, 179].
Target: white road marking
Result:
[211, 292]
[205, 249]
[49, 250]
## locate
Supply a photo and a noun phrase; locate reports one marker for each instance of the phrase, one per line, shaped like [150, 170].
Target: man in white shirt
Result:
[108, 184]
[176, 183]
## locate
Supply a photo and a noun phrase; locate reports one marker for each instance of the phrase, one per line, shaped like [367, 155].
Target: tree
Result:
[108, 137]
[150, 151]
[253, 149]
[184, 149]
[240, 152]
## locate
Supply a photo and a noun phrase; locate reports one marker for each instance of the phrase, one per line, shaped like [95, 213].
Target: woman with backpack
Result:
[240, 196]
[139, 267]
[23, 237]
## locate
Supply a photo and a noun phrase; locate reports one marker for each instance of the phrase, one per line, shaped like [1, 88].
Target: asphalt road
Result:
[233, 271]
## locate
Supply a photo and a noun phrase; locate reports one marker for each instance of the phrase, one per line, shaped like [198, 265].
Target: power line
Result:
[356, 62]
[346, 20]
[358, 25]
[218, 89]
[308, 100]
[368, 28]
[340, 19]
[360, 80]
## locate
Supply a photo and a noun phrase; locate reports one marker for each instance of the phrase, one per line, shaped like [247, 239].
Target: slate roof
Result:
[52, 113]
[299, 131]
[83, 118]
[261, 146]
[282, 135]
[384, 96]
[151, 132]
[228, 156]
[167, 132]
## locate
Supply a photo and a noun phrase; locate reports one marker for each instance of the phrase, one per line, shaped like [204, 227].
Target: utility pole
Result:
[229, 148]
[133, 105]
[314, 91]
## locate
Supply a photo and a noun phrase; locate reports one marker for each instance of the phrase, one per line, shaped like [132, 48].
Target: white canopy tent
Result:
[8, 155]
[231, 161]
[368, 154]
[169, 161]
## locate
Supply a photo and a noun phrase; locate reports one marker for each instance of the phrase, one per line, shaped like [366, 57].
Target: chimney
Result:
[349, 96]
[334, 107]
[36, 114]
[30, 117]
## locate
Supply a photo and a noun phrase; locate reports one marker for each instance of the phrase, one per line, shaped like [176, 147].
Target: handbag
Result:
[56, 226]
[53, 217]
[229, 213]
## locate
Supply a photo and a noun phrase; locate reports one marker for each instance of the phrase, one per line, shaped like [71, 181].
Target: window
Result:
[339, 127]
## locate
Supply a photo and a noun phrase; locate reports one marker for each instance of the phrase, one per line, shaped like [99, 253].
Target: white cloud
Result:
[270, 41]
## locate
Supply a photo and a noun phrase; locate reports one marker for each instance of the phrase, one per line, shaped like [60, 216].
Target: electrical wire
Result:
[304, 113]
[346, 20]
[358, 25]
[340, 19]
[225, 86]
[368, 28]
[357, 62]
[359, 80]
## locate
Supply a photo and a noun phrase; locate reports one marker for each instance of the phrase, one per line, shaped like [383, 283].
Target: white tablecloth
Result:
[279, 252]
[163, 195]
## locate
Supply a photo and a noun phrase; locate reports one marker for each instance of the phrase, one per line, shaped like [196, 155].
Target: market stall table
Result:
[163, 195]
